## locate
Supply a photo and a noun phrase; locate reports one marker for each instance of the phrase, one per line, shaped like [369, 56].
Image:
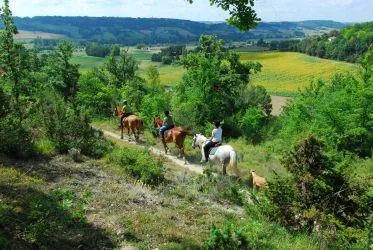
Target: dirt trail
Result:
[180, 162]
[278, 103]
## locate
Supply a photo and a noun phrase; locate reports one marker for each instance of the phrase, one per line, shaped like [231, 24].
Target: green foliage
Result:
[257, 96]
[337, 113]
[242, 14]
[15, 138]
[251, 124]
[122, 70]
[154, 104]
[213, 86]
[62, 75]
[132, 31]
[96, 96]
[350, 44]
[221, 188]
[170, 54]
[227, 238]
[68, 127]
[139, 164]
[94, 49]
[320, 198]
[152, 74]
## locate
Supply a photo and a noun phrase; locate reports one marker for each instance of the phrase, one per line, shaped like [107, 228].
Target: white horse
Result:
[224, 154]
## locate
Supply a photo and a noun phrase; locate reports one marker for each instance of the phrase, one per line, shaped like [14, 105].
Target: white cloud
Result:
[268, 10]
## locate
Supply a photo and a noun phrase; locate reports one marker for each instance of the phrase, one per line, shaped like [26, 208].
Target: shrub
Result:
[251, 124]
[227, 238]
[139, 164]
[320, 196]
[68, 127]
[95, 95]
[15, 137]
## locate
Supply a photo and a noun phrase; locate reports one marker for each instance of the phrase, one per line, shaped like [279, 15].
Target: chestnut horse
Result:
[176, 135]
[131, 123]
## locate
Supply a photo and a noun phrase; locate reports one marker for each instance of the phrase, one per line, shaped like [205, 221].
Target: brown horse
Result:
[176, 135]
[131, 123]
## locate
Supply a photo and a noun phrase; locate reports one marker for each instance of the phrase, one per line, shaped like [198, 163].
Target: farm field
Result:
[282, 72]
[24, 35]
[289, 71]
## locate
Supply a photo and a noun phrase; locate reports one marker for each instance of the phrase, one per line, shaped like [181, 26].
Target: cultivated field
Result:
[24, 35]
[282, 72]
[289, 71]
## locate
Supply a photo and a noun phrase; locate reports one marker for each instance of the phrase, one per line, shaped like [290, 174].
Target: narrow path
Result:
[278, 103]
[191, 167]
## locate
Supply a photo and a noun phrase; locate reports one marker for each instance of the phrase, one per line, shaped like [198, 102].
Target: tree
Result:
[242, 14]
[213, 84]
[123, 69]
[63, 74]
[153, 76]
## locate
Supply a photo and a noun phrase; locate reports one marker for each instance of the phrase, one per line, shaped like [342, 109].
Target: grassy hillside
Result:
[290, 71]
[131, 31]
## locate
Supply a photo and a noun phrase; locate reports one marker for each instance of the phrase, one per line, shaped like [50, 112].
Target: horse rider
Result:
[216, 138]
[168, 123]
[125, 111]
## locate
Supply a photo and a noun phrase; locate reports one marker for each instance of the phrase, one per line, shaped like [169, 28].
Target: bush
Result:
[68, 127]
[337, 113]
[319, 198]
[227, 238]
[251, 124]
[15, 137]
[95, 95]
[139, 164]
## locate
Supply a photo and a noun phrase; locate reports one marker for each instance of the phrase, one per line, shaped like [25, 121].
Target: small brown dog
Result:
[258, 181]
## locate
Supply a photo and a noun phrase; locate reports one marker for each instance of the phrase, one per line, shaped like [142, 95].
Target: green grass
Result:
[289, 71]
[87, 62]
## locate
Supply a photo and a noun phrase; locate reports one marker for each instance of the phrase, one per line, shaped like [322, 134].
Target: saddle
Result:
[213, 150]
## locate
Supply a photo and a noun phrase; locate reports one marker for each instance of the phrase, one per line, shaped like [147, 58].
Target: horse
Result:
[224, 154]
[176, 135]
[130, 122]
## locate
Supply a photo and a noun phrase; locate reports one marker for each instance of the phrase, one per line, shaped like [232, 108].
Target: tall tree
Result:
[64, 74]
[242, 14]
[13, 57]
[213, 84]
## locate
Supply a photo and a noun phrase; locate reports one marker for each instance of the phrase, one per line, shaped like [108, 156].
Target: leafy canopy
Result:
[242, 14]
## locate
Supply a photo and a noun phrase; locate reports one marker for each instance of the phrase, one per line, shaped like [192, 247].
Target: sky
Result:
[200, 10]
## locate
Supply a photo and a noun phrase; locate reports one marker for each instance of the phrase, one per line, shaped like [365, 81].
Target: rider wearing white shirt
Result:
[216, 137]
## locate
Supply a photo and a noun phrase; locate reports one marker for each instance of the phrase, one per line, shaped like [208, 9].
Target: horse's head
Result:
[118, 111]
[198, 140]
[157, 122]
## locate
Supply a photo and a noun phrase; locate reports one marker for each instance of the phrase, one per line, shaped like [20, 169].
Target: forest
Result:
[132, 31]
[349, 44]
[65, 184]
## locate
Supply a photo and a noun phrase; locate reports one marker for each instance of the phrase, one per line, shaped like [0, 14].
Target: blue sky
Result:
[268, 10]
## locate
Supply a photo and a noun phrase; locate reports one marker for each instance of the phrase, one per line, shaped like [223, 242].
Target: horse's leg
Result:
[224, 166]
[164, 145]
[121, 131]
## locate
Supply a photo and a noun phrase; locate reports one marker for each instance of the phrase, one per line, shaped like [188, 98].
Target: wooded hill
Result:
[131, 31]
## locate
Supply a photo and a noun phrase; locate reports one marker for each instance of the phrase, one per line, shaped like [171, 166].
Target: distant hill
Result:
[131, 31]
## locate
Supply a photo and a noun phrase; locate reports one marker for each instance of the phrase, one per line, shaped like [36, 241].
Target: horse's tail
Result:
[233, 162]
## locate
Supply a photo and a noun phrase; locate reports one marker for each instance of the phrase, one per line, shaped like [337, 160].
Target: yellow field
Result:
[282, 72]
[290, 71]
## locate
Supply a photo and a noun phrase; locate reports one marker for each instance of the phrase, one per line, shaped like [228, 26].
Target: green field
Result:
[282, 72]
[290, 71]
[87, 62]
